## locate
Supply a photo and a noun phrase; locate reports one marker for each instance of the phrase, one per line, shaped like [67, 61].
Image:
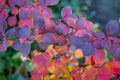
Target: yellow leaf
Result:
[52, 76]
[78, 53]
[11, 42]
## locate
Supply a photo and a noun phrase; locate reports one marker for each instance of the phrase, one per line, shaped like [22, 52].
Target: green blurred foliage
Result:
[11, 65]
[79, 7]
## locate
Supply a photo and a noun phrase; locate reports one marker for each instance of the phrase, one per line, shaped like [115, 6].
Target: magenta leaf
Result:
[65, 12]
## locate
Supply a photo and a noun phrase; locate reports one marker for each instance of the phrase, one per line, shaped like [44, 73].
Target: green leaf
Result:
[34, 45]
[16, 56]
[81, 60]
[29, 66]
[2, 77]
[109, 57]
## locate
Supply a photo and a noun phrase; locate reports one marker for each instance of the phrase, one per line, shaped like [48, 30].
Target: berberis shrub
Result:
[66, 48]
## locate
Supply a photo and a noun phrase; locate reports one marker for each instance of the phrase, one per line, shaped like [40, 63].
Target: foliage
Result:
[68, 48]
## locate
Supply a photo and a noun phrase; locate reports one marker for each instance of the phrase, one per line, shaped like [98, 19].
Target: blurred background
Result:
[99, 12]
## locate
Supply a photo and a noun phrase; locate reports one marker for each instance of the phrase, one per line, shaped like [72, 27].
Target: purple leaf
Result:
[80, 23]
[71, 20]
[4, 45]
[23, 14]
[25, 49]
[112, 27]
[34, 12]
[100, 35]
[24, 32]
[3, 24]
[19, 2]
[48, 12]
[78, 42]
[17, 45]
[1, 36]
[52, 2]
[113, 49]
[97, 44]
[48, 38]
[106, 43]
[10, 32]
[88, 49]
[39, 22]
[117, 53]
[42, 2]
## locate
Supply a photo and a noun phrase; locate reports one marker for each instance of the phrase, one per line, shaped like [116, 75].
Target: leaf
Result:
[109, 57]
[65, 12]
[78, 53]
[17, 45]
[48, 12]
[100, 35]
[78, 42]
[42, 2]
[80, 23]
[48, 38]
[25, 22]
[106, 43]
[87, 74]
[99, 57]
[80, 33]
[10, 32]
[97, 44]
[29, 66]
[3, 24]
[71, 20]
[112, 49]
[88, 49]
[88, 25]
[113, 66]
[40, 60]
[25, 49]
[117, 53]
[19, 2]
[104, 74]
[4, 45]
[1, 36]
[24, 32]
[23, 14]
[39, 22]
[52, 2]
[34, 12]
[112, 27]
[59, 28]
[12, 21]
